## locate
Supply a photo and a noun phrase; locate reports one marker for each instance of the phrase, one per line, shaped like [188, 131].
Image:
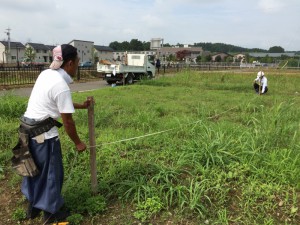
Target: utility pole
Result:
[8, 40]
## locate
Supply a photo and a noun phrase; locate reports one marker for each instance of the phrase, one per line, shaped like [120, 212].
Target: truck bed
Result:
[103, 68]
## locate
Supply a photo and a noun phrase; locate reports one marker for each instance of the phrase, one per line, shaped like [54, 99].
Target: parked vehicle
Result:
[86, 64]
[135, 67]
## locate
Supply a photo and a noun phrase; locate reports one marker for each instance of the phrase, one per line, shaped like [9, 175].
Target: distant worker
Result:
[260, 84]
[157, 64]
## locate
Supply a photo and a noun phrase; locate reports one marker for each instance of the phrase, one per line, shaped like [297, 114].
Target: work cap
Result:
[260, 74]
[61, 53]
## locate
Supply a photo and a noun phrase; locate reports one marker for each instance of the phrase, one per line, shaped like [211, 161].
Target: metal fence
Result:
[199, 66]
[11, 76]
[18, 75]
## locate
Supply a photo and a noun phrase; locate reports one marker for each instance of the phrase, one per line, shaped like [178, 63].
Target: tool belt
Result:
[22, 161]
[34, 128]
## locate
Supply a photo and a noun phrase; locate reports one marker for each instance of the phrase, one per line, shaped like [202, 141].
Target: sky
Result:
[245, 23]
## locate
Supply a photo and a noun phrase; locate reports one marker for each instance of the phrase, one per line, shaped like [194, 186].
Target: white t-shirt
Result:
[50, 97]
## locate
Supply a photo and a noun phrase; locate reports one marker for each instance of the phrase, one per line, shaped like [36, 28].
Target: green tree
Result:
[221, 47]
[294, 63]
[125, 46]
[171, 58]
[229, 59]
[167, 45]
[206, 58]
[29, 54]
[247, 57]
[115, 46]
[133, 45]
[276, 49]
[136, 45]
[146, 46]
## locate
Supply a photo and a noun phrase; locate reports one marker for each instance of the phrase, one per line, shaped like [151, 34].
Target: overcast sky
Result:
[245, 23]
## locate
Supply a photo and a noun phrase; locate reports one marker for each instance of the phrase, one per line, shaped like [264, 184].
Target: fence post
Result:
[78, 73]
[92, 142]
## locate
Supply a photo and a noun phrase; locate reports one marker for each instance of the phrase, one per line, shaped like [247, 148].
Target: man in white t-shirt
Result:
[260, 84]
[51, 97]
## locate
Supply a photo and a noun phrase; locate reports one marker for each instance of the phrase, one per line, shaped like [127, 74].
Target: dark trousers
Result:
[157, 67]
[44, 190]
[256, 87]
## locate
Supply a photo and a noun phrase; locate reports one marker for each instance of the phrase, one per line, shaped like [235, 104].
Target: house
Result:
[42, 52]
[167, 51]
[222, 56]
[13, 55]
[85, 49]
[103, 52]
[239, 57]
[51, 47]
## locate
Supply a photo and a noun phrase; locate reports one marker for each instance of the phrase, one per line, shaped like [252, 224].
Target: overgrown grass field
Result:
[193, 148]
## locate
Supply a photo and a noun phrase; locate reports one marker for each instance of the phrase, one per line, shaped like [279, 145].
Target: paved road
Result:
[75, 87]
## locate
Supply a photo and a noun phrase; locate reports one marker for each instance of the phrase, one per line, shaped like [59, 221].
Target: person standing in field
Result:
[157, 64]
[260, 84]
[51, 98]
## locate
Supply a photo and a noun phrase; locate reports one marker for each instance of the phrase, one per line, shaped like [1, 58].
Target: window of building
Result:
[135, 57]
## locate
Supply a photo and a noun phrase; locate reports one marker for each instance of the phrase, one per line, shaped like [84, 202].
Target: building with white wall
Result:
[12, 55]
[85, 49]
[42, 52]
[103, 53]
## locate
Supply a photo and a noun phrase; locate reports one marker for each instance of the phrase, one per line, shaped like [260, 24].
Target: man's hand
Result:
[81, 147]
[87, 103]
[84, 105]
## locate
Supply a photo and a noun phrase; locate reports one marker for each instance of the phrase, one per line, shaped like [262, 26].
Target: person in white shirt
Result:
[51, 98]
[260, 84]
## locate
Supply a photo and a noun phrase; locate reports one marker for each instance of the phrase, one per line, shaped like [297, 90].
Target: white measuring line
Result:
[155, 133]
[151, 134]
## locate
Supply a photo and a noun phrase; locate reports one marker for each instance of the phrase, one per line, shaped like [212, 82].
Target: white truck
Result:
[134, 67]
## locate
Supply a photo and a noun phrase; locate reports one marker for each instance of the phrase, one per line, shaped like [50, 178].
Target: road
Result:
[75, 87]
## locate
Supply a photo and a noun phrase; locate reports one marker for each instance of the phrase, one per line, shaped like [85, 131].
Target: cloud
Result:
[177, 21]
[271, 6]
[26, 6]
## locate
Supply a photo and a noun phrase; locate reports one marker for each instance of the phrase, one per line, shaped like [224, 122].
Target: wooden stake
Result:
[259, 87]
[92, 142]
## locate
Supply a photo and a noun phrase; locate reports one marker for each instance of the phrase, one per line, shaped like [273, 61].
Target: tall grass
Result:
[225, 156]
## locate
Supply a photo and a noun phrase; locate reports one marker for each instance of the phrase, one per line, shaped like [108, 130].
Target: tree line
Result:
[137, 45]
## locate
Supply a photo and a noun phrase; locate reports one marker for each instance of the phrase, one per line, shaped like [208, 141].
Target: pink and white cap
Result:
[57, 58]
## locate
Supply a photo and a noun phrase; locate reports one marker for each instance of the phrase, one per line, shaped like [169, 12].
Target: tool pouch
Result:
[22, 161]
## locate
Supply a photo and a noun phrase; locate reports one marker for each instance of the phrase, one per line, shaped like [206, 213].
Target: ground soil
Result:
[12, 199]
